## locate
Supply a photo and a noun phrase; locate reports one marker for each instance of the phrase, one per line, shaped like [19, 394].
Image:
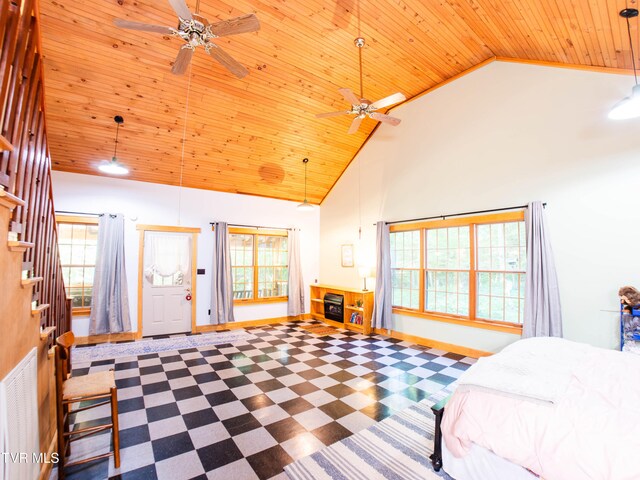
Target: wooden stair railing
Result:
[25, 165]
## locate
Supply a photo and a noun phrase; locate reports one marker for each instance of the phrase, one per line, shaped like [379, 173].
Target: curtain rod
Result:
[65, 212]
[443, 217]
[252, 226]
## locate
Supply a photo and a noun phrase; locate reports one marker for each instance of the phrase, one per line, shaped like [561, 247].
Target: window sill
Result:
[483, 324]
[250, 301]
[81, 311]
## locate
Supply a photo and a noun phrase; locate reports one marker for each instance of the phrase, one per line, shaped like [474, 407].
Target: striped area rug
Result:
[397, 448]
[107, 351]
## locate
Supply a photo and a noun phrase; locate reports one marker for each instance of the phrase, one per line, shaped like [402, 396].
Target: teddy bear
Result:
[629, 295]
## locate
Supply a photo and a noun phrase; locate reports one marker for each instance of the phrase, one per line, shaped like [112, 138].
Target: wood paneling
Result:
[304, 52]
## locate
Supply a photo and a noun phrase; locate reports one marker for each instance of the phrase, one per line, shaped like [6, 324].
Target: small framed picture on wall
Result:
[347, 255]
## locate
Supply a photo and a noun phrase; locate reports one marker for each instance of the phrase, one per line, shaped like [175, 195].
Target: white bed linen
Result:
[482, 464]
[591, 432]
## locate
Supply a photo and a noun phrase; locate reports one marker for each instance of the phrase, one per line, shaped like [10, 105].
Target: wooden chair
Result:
[84, 388]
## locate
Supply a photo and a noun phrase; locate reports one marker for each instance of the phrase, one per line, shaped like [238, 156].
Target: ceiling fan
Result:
[361, 107]
[196, 31]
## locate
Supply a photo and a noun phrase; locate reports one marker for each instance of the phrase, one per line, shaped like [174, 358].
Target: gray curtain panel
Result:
[221, 280]
[110, 299]
[295, 303]
[382, 301]
[542, 315]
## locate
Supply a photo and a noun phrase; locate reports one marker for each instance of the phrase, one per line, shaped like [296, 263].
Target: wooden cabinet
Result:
[352, 298]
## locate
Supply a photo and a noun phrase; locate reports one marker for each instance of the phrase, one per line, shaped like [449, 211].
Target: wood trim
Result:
[250, 323]
[166, 228]
[140, 269]
[514, 216]
[194, 272]
[27, 282]
[410, 99]
[107, 337]
[340, 289]
[47, 467]
[81, 311]
[44, 334]
[5, 145]
[77, 219]
[422, 273]
[473, 276]
[9, 200]
[16, 246]
[39, 309]
[482, 324]
[194, 266]
[570, 66]
[256, 231]
[252, 301]
[427, 342]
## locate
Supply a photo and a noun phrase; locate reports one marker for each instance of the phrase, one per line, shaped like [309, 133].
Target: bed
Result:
[543, 408]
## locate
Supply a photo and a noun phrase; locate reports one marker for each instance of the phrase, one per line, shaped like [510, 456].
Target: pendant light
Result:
[114, 167]
[628, 107]
[305, 205]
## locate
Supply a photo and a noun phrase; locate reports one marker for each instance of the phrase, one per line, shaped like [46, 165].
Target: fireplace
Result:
[334, 306]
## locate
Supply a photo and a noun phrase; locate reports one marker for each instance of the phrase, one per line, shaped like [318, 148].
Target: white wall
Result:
[154, 204]
[505, 135]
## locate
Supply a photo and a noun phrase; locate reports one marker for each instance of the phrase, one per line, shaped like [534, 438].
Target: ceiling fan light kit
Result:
[114, 167]
[361, 107]
[628, 107]
[196, 31]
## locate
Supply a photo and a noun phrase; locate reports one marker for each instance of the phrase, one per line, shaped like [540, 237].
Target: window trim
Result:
[255, 232]
[503, 217]
[73, 219]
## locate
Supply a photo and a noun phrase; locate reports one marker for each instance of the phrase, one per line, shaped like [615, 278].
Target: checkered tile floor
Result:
[244, 411]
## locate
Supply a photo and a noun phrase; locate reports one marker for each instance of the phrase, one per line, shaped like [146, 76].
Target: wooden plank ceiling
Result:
[250, 135]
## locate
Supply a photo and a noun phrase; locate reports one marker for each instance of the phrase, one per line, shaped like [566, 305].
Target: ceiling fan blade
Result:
[233, 26]
[182, 61]
[381, 117]
[390, 100]
[332, 114]
[355, 125]
[349, 96]
[180, 7]
[146, 27]
[227, 61]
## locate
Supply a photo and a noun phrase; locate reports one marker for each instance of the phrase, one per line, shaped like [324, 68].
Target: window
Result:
[77, 242]
[467, 270]
[259, 265]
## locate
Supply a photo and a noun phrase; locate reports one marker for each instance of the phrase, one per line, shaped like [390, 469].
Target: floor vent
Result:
[19, 436]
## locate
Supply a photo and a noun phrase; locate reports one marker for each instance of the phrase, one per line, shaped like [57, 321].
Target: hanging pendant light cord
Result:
[115, 147]
[184, 140]
[360, 64]
[305, 179]
[633, 55]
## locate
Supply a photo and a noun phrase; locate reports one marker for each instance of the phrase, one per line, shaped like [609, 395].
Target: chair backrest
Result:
[63, 354]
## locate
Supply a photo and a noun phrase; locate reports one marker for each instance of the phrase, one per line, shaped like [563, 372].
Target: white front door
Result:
[166, 283]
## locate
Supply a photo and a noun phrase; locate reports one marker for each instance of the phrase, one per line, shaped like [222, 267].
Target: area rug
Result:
[320, 329]
[107, 351]
[397, 448]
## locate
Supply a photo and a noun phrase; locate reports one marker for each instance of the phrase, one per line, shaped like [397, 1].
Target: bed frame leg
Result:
[436, 456]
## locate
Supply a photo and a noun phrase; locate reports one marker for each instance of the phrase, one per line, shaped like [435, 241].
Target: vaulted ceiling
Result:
[250, 135]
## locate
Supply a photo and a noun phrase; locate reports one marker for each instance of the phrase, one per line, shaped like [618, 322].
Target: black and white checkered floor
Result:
[244, 411]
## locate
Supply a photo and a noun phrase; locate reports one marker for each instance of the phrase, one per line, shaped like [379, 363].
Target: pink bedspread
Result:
[590, 432]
